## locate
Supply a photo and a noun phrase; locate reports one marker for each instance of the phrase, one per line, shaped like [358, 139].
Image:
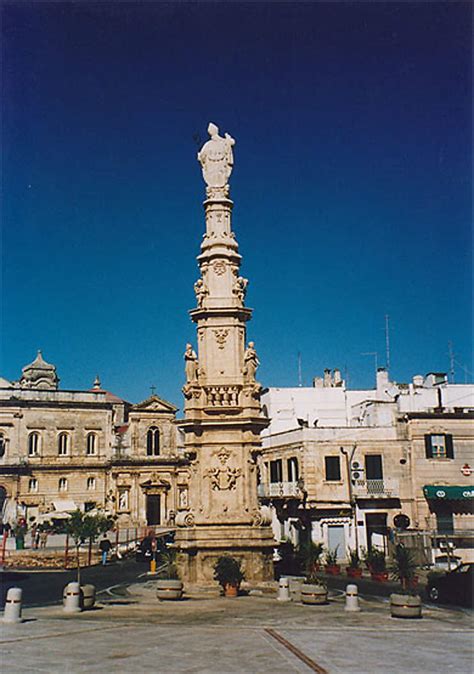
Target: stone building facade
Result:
[347, 462]
[89, 449]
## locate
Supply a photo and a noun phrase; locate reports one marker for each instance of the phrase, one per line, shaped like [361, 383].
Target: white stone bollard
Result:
[72, 598]
[284, 590]
[352, 598]
[13, 606]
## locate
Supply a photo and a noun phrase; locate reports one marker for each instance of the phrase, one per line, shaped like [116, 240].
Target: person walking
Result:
[104, 546]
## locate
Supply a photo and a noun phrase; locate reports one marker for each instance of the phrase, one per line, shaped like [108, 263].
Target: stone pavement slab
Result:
[208, 633]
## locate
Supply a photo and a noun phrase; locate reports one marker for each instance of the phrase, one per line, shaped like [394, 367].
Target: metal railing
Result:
[372, 488]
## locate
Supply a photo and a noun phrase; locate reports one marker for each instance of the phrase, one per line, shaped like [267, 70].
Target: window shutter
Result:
[449, 446]
[428, 448]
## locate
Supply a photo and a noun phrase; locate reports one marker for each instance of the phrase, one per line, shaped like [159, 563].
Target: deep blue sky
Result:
[352, 184]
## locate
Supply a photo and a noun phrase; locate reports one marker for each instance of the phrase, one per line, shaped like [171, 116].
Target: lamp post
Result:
[352, 502]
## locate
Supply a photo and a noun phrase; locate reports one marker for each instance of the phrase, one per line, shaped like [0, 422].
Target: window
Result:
[153, 441]
[33, 444]
[63, 444]
[276, 471]
[91, 444]
[292, 468]
[33, 485]
[332, 465]
[91, 483]
[62, 484]
[439, 446]
[373, 467]
[2, 444]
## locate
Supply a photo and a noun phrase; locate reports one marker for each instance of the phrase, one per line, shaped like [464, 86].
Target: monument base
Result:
[200, 547]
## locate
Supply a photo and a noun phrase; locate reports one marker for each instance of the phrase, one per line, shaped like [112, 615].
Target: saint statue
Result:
[201, 290]
[216, 158]
[191, 364]
[240, 288]
[251, 362]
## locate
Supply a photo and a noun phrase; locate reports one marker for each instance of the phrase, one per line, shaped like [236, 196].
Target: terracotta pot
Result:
[354, 572]
[231, 590]
[332, 569]
[379, 576]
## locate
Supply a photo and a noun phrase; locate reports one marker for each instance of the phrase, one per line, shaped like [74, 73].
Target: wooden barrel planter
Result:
[314, 594]
[169, 589]
[405, 606]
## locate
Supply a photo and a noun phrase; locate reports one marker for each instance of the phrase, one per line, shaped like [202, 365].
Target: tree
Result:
[82, 527]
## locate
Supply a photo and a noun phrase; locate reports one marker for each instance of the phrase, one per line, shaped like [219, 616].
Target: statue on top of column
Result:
[216, 159]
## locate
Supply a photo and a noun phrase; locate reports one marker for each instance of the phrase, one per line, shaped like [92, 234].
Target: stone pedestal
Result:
[223, 417]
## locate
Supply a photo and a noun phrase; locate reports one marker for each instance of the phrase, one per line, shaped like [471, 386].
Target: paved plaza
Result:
[133, 632]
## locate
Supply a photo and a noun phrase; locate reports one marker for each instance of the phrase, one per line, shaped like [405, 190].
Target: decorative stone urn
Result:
[405, 606]
[314, 594]
[169, 589]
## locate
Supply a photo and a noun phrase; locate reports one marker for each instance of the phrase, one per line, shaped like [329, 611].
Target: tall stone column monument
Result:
[223, 419]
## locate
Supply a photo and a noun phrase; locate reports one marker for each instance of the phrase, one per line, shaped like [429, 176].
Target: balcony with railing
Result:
[382, 488]
[280, 490]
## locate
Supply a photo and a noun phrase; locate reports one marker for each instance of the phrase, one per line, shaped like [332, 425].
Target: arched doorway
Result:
[3, 498]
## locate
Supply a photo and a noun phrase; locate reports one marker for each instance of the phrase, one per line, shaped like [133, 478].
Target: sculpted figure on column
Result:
[191, 364]
[216, 158]
[251, 362]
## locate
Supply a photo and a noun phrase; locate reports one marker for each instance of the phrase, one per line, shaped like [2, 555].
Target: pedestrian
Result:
[104, 546]
[43, 539]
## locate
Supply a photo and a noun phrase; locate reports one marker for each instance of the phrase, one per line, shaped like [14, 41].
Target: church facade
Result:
[61, 450]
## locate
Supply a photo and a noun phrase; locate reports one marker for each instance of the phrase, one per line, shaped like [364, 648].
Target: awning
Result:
[441, 493]
[65, 505]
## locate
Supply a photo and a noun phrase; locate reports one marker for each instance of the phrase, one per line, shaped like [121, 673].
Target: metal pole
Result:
[66, 551]
[4, 547]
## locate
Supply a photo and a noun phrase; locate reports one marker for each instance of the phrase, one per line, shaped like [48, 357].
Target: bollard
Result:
[72, 598]
[283, 590]
[352, 598]
[13, 606]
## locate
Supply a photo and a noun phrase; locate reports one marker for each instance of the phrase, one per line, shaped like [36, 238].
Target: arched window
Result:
[33, 484]
[63, 444]
[153, 441]
[3, 443]
[91, 483]
[91, 444]
[33, 444]
[62, 484]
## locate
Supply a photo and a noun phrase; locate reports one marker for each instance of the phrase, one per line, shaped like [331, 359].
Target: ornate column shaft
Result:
[223, 417]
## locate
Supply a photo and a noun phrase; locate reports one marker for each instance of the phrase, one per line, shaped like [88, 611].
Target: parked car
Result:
[453, 587]
[144, 551]
[442, 562]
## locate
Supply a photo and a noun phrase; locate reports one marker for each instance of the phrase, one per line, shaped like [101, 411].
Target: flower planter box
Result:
[314, 594]
[354, 573]
[379, 576]
[169, 589]
[405, 606]
[332, 569]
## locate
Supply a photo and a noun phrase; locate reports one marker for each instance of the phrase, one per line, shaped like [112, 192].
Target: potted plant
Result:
[375, 561]
[354, 569]
[228, 573]
[169, 584]
[314, 591]
[407, 603]
[331, 565]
